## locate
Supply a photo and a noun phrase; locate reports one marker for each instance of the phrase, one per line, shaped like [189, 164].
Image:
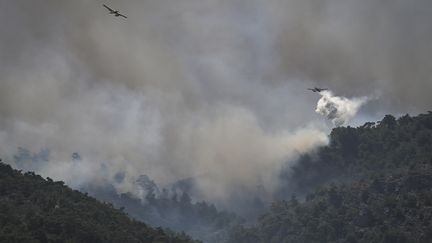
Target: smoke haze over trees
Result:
[189, 88]
[371, 184]
[210, 96]
[37, 210]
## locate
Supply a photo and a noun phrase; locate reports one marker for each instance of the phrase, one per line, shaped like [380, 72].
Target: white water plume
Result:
[338, 109]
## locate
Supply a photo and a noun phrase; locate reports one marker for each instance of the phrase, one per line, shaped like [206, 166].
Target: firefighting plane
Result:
[114, 12]
[315, 89]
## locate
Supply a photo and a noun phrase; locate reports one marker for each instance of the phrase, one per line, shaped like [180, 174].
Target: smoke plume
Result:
[186, 88]
[338, 109]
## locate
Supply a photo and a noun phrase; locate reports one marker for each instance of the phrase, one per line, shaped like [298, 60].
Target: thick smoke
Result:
[357, 47]
[188, 88]
[340, 110]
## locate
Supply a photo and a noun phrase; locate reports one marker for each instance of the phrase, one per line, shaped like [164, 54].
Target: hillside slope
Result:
[390, 209]
[33, 209]
[201, 220]
[370, 184]
[385, 147]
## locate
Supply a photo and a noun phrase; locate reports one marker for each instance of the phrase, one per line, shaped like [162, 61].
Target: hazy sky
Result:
[191, 87]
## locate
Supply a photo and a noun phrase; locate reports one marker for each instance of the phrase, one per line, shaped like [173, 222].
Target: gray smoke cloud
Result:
[185, 88]
[340, 110]
[358, 47]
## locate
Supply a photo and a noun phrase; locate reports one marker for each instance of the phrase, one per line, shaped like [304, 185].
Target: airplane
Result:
[315, 89]
[115, 12]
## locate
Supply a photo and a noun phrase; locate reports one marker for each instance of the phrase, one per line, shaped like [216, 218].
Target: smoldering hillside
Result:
[190, 88]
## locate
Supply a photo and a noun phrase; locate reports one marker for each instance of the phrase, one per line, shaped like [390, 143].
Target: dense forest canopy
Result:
[372, 183]
[373, 148]
[175, 208]
[177, 211]
[34, 209]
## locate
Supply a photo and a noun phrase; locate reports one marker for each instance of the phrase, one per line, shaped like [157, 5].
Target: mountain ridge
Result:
[34, 209]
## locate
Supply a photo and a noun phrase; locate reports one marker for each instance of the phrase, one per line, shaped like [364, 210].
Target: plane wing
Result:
[122, 16]
[110, 9]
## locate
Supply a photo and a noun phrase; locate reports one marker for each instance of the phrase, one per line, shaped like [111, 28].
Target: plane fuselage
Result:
[316, 89]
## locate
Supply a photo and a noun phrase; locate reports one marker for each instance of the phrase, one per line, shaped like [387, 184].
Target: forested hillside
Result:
[371, 184]
[356, 153]
[33, 209]
[173, 210]
[391, 209]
